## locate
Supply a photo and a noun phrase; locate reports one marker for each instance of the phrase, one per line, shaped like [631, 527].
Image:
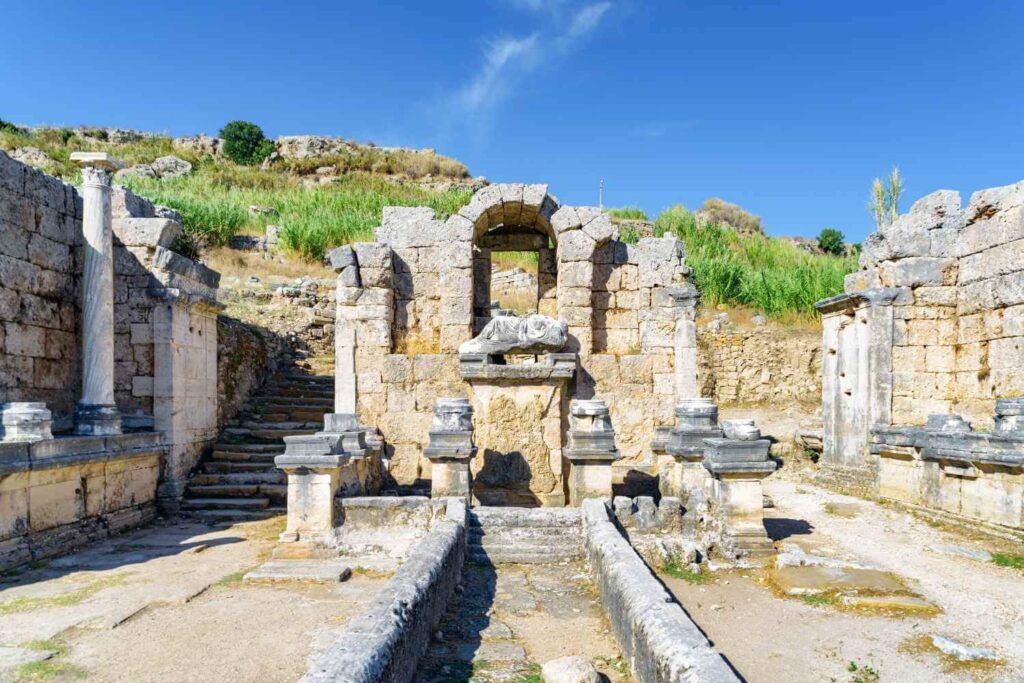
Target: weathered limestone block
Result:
[735, 492]
[24, 422]
[591, 451]
[451, 449]
[660, 260]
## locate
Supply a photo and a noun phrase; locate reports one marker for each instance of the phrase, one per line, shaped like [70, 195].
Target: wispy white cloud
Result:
[507, 61]
[651, 131]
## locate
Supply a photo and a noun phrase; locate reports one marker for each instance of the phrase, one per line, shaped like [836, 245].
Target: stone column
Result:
[97, 411]
[315, 467]
[451, 449]
[591, 451]
[680, 472]
[685, 341]
[738, 466]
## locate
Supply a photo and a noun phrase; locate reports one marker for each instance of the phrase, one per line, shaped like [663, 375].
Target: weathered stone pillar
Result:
[451, 449]
[680, 472]
[315, 467]
[738, 466]
[24, 422]
[685, 341]
[591, 451]
[97, 411]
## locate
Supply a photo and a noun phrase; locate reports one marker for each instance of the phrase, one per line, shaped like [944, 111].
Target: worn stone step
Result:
[300, 392]
[264, 435]
[264, 425]
[222, 490]
[534, 535]
[225, 503]
[246, 456]
[281, 402]
[293, 414]
[277, 493]
[240, 478]
[228, 467]
[521, 555]
[215, 515]
[556, 518]
[249, 447]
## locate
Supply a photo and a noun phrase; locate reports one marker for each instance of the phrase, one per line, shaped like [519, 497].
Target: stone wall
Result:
[660, 642]
[165, 309]
[932, 324]
[762, 365]
[386, 640]
[407, 301]
[59, 494]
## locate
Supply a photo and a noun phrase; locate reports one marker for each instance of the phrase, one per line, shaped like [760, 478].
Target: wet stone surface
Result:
[508, 621]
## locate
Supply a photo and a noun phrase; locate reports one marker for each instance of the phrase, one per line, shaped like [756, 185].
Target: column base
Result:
[169, 494]
[94, 420]
[24, 422]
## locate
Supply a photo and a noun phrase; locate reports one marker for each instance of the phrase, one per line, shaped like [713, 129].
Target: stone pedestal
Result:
[24, 422]
[738, 468]
[97, 413]
[316, 466]
[591, 451]
[680, 471]
[451, 449]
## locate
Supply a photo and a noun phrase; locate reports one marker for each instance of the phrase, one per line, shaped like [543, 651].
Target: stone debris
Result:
[569, 670]
[33, 156]
[964, 653]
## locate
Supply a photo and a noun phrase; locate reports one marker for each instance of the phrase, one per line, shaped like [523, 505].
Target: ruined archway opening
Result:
[514, 273]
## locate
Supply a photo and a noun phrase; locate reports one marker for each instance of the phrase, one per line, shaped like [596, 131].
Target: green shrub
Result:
[830, 241]
[244, 143]
[724, 213]
[8, 127]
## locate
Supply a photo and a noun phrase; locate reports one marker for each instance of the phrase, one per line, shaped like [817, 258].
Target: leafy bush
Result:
[244, 143]
[8, 127]
[722, 212]
[830, 241]
[753, 270]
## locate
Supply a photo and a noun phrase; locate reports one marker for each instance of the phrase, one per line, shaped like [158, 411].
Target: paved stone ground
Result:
[167, 603]
[773, 639]
[512, 619]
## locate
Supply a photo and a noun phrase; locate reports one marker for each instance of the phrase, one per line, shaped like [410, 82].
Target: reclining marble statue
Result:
[511, 334]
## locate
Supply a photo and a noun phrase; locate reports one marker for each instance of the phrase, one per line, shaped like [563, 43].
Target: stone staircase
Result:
[506, 535]
[238, 480]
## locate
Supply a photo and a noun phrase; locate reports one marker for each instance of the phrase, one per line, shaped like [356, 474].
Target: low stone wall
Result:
[759, 365]
[656, 636]
[66, 492]
[384, 643]
[246, 358]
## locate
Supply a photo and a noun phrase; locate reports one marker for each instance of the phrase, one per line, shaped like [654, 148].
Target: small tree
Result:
[244, 143]
[885, 198]
[830, 241]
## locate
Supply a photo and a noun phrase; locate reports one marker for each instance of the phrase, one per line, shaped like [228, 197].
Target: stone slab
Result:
[811, 580]
[324, 571]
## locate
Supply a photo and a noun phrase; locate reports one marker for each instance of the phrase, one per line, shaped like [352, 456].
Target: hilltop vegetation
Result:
[323, 200]
[318, 202]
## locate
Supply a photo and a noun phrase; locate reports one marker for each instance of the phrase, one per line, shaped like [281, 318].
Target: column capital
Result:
[97, 167]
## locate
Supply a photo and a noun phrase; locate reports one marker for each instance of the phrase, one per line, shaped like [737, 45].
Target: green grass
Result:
[214, 200]
[767, 274]
[48, 668]
[628, 213]
[818, 599]
[862, 673]
[677, 571]
[1008, 560]
[68, 599]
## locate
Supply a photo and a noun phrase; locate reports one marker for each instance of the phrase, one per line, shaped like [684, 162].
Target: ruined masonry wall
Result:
[958, 328]
[759, 365]
[406, 302]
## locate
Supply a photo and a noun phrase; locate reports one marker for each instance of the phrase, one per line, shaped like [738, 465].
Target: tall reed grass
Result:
[771, 275]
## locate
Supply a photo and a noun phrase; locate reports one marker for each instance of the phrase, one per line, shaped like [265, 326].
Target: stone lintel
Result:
[741, 470]
[102, 160]
[591, 456]
[722, 451]
[553, 366]
[64, 451]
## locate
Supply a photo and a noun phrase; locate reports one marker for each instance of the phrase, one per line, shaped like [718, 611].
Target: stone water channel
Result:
[508, 620]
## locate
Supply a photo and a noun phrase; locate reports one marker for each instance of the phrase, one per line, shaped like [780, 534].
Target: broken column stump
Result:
[591, 451]
[451, 449]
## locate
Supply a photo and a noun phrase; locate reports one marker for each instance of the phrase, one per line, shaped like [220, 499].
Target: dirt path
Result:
[167, 603]
[770, 638]
[511, 620]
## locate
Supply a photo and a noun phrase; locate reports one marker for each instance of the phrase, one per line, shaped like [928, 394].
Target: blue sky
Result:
[787, 108]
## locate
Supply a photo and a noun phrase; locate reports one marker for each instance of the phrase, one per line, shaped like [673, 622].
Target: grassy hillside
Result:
[214, 199]
[769, 275]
